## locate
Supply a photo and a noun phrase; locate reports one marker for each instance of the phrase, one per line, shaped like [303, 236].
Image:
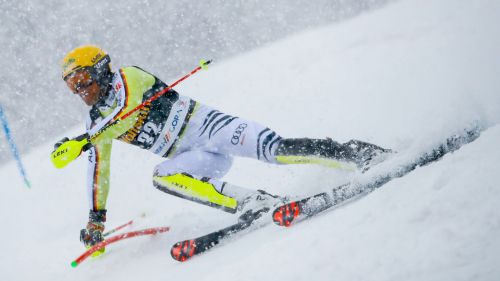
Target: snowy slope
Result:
[403, 77]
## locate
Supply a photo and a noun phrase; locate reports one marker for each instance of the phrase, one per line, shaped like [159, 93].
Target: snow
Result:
[404, 77]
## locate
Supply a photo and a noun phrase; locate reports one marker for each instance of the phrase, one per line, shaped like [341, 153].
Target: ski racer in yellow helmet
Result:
[87, 72]
[197, 143]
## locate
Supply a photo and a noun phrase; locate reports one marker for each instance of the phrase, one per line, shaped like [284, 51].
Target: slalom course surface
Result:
[403, 77]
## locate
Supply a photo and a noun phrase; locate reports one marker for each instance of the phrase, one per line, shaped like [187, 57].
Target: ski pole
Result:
[117, 228]
[71, 149]
[116, 238]
[13, 147]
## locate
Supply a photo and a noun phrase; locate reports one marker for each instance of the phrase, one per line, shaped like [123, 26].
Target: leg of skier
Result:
[195, 174]
[203, 155]
[214, 131]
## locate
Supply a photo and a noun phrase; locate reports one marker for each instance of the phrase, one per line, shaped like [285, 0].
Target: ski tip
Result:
[286, 214]
[74, 264]
[182, 251]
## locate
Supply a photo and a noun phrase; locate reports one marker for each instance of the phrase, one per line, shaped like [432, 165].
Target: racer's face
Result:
[81, 83]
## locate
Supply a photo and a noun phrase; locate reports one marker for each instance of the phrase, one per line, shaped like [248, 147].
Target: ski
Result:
[182, 251]
[299, 210]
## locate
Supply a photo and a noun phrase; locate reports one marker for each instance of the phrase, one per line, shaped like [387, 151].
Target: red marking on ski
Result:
[184, 250]
[286, 214]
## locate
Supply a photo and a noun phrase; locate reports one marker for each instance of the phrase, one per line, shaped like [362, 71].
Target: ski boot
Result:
[258, 203]
[351, 155]
[366, 154]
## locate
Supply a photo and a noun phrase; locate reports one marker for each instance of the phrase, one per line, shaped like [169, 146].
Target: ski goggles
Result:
[79, 80]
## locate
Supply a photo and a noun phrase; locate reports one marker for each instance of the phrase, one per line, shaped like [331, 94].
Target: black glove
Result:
[92, 234]
[79, 138]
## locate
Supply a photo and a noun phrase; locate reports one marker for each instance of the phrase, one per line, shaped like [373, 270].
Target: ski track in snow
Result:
[402, 76]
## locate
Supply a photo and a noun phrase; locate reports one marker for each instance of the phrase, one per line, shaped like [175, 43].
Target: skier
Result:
[198, 141]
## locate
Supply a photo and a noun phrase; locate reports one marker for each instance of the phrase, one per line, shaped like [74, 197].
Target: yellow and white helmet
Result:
[90, 58]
